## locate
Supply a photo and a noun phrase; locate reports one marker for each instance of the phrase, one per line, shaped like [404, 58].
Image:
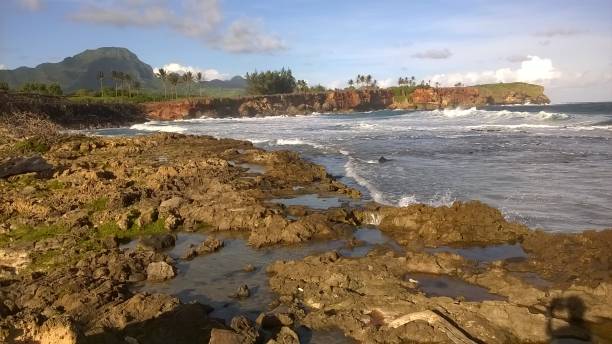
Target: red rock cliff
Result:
[346, 101]
[273, 105]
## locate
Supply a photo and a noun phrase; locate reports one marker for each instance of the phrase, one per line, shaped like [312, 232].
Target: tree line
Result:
[175, 79]
[42, 88]
[363, 81]
[124, 83]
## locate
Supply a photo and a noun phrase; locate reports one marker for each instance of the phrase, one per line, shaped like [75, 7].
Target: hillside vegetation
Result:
[498, 92]
[93, 69]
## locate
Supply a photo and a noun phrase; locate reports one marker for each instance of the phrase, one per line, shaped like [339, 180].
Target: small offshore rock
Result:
[160, 271]
[242, 293]
[249, 268]
[209, 245]
[157, 242]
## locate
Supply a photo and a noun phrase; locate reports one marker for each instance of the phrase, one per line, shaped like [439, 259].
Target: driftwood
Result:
[452, 332]
[21, 165]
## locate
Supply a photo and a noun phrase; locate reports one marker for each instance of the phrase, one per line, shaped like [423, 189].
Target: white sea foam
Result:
[407, 200]
[445, 199]
[258, 140]
[376, 194]
[459, 113]
[453, 113]
[153, 126]
[290, 142]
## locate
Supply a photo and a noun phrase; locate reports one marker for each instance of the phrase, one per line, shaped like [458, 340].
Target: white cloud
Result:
[533, 69]
[516, 58]
[246, 36]
[209, 74]
[32, 5]
[387, 82]
[434, 54]
[559, 32]
[2, 66]
[335, 84]
[198, 19]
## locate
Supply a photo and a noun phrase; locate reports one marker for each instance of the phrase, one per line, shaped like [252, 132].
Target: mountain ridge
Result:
[80, 71]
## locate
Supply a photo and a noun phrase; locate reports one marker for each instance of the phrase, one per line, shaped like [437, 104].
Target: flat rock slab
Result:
[21, 165]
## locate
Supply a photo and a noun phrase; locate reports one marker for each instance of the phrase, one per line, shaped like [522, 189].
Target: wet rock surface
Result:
[66, 274]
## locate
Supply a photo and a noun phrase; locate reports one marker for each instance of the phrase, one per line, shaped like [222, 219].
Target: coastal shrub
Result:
[4, 86]
[41, 88]
[99, 204]
[271, 82]
[32, 145]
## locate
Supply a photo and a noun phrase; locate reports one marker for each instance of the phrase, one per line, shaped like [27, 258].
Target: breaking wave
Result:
[438, 200]
[376, 194]
[157, 126]
[501, 115]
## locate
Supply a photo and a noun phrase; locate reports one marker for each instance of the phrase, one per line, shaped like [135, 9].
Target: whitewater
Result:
[549, 166]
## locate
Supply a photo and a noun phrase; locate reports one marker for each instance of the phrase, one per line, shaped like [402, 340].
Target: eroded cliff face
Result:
[444, 97]
[71, 115]
[344, 101]
[273, 105]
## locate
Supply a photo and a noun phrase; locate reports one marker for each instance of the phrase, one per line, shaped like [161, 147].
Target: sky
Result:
[564, 45]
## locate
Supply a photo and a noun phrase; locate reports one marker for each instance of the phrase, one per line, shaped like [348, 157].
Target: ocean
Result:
[548, 167]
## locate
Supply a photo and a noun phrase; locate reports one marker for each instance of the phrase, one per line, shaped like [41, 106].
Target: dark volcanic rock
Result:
[21, 165]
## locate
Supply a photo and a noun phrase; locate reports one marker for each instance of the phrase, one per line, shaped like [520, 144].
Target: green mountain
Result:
[80, 71]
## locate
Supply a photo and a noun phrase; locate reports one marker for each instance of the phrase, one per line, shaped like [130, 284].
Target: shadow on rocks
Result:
[188, 323]
[571, 309]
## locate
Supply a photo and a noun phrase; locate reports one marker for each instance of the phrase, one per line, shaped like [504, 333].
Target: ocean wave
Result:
[501, 114]
[290, 142]
[155, 126]
[297, 142]
[255, 141]
[376, 194]
[445, 199]
[367, 161]
[363, 125]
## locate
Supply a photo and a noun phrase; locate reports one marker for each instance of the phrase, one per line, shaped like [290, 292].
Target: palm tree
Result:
[199, 77]
[351, 83]
[188, 79]
[100, 77]
[115, 76]
[128, 82]
[137, 87]
[412, 81]
[368, 80]
[174, 78]
[163, 76]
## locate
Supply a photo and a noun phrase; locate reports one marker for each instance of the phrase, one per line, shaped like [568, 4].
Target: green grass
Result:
[210, 92]
[112, 229]
[55, 184]
[32, 145]
[99, 204]
[498, 92]
[23, 234]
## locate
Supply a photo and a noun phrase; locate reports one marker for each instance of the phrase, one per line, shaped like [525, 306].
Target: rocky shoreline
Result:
[68, 203]
[87, 115]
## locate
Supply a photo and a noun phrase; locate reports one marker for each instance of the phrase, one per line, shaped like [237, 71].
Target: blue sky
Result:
[564, 45]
